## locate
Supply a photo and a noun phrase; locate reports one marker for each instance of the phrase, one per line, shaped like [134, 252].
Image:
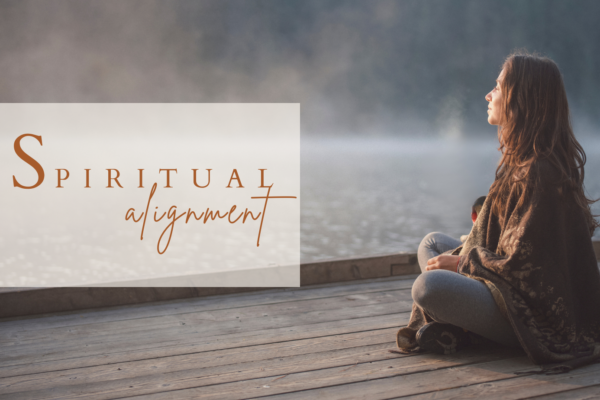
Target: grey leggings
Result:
[454, 299]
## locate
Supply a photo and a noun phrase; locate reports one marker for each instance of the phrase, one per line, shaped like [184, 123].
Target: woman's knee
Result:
[429, 240]
[429, 288]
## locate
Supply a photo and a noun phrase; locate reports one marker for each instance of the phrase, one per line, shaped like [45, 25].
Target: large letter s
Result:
[25, 157]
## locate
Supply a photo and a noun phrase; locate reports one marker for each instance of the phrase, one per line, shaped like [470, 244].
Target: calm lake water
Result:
[373, 196]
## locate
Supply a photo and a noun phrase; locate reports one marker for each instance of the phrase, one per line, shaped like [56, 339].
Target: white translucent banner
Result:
[214, 188]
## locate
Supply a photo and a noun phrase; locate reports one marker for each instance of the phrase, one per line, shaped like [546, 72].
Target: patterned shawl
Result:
[540, 265]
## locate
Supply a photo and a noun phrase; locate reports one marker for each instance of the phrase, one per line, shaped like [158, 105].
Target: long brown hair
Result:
[535, 125]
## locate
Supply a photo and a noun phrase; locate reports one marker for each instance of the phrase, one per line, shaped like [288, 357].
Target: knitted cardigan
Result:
[540, 266]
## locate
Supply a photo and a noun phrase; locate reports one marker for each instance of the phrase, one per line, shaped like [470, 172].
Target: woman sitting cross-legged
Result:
[527, 274]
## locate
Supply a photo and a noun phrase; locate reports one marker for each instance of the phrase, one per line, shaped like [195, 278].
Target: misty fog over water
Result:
[362, 68]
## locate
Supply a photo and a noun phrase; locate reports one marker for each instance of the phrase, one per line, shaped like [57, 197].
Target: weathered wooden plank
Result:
[308, 325]
[349, 269]
[208, 364]
[406, 269]
[202, 323]
[372, 387]
[176, 307]
[585, 393]
[34, 301]
[143, 385]
[219, 328]
[347, 365]
[326, 383]
[519, 387]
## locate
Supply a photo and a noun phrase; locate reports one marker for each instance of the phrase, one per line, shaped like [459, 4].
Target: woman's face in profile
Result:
[495, 102]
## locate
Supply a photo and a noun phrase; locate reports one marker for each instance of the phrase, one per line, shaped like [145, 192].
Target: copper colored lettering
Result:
[60, 179]
[87, 178]
[196, 184]
[29, 160]
[234, 175]
[116, 178]
[168, 176]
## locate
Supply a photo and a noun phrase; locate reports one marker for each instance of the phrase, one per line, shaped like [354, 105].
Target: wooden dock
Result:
[325, 341]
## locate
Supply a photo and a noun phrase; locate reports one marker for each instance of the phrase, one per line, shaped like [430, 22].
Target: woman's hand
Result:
[443, 262]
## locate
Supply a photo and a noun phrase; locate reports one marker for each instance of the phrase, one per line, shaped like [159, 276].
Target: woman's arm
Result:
[443, 261]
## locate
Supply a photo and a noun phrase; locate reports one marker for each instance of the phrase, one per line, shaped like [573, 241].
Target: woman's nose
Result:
[488, 96]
